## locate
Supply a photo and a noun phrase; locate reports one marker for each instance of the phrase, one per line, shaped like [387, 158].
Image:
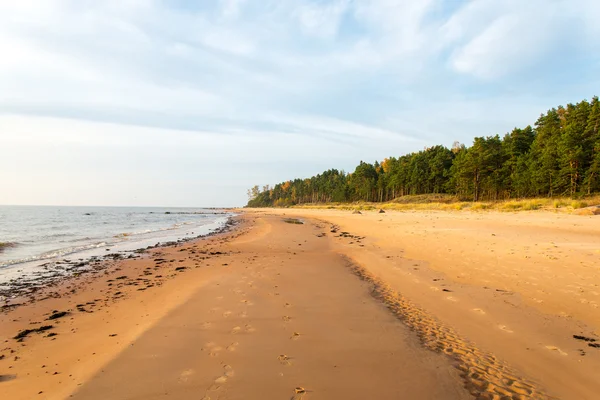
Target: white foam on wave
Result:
[128, 242]
[52, 254]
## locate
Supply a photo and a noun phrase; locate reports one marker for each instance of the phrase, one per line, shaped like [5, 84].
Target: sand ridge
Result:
[485, 376]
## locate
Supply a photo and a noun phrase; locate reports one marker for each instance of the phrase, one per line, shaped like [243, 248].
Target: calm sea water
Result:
[39, 234]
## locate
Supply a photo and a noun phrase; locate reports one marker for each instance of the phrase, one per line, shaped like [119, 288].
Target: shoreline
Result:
[32, 331]
[55, 273]
[226, 300]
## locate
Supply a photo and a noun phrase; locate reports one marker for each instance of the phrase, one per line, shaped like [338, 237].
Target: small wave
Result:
[58, 235]
[80, 239]
[53, 254]
[145, 231]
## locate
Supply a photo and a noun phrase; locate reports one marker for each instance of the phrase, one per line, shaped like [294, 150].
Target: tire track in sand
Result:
[484, 376]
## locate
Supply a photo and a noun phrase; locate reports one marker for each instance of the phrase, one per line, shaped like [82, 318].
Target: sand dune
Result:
[343, 306]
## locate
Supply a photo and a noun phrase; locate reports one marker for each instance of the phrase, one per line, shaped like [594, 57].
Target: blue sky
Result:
[148, 102]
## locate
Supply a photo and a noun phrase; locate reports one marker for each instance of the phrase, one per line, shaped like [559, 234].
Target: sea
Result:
[33, 236]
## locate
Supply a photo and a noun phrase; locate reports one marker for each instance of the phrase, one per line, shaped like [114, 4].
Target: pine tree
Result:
[560, 155]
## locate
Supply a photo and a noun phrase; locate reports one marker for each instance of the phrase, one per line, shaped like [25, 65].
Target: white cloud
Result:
[337, 80]
[402, 24]
[60, 161]
[230, 9]
[231, 41]
[498, 38]
[507, 44]
[321, 20]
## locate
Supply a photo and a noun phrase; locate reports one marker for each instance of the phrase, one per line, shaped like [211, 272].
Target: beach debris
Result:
[293, 221]
[6, 378]
[585, 339]
[381, 211]
[24, 333]
[58, 314]
[284, 359]
[590, 341]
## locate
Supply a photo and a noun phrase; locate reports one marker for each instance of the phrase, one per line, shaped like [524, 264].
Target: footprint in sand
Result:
[227, 314]
[219, 297]
[184, 376]
[295, 336]
[212, 348]
[214, 352]
[285, 318]
[537, 300]
[554, 348]
[247, 328]
[232, 347]
[206, 325]
[247, 302]
[227, 373]
[284, 359]
[243, 314]
[505, 328]
[450, 298]
[435, 289]
[218, 383]
[287, 305]
[299, 393]
[479, 311]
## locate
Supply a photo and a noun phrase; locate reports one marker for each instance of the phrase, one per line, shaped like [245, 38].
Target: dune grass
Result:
[452, 203]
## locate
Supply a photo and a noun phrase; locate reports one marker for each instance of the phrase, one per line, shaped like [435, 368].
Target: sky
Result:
[190, 103]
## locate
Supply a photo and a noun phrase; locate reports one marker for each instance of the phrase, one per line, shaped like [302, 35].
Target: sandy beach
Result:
[415, 305]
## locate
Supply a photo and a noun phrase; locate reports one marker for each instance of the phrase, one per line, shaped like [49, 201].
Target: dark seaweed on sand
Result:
[24, 333]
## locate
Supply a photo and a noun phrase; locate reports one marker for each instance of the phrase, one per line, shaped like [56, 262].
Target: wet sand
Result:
[341, 307]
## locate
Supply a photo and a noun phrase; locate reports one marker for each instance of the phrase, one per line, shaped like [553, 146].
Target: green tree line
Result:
[558, 156]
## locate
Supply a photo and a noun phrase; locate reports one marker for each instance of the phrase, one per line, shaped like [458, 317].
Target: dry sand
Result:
[375, 306]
